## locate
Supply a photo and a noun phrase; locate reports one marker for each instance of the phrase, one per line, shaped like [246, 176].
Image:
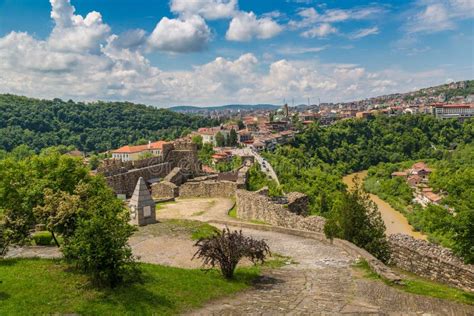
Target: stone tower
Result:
[142, 206]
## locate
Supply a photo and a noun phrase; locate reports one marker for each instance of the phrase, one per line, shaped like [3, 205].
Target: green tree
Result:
[197, 139]
[205, 154]
[233, 138]
[99, 243]
[356, 218]
[220, 139]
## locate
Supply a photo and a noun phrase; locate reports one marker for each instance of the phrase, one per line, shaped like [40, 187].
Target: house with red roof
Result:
[131, 153]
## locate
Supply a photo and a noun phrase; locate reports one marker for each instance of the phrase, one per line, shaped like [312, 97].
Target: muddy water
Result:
[394, 220]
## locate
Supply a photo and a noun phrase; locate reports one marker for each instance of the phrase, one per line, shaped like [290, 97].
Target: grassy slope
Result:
[47, 286]
[417, 285]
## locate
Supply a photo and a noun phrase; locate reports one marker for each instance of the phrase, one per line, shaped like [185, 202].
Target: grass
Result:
[417, 285]
[257, 221]
[161, 205]
[42, 286]
[233, 211]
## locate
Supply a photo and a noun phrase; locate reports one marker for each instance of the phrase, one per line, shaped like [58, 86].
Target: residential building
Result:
[459, 111]
[131, 153]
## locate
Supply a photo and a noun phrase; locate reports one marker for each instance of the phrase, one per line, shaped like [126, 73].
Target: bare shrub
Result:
[227, 248]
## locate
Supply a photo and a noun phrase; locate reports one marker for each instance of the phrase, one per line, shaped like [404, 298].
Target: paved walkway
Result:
[322, 282]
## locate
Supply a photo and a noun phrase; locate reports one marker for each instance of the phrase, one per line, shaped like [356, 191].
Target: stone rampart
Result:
[431, 261]
[124, 183]
[164, 190]
[208, 189]
[258, 206]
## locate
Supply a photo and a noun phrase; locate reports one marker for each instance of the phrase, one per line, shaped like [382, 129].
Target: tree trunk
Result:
[55, 240]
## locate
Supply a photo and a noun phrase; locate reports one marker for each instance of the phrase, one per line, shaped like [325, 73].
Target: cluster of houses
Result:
[417, 178]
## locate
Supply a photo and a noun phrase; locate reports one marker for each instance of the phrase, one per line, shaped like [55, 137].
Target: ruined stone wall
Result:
[258, 206]
[164, 190]
[208, 189]
[431, 261]
[124, 183]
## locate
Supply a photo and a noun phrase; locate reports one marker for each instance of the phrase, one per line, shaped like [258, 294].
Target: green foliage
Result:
[220, 139]
[99, 242]
[4, 241]
[204, 231]
[356, 218]
[453, 175]
[58, 191]
[205, 153]
[417, 285]
[43, 238]
[29, 283]
[24, 182]
[91, 127]
[233, 138]
[197, 139]
[257, 179]
[234, 164]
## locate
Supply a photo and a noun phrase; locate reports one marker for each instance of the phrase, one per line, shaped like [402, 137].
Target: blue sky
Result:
[208, 52]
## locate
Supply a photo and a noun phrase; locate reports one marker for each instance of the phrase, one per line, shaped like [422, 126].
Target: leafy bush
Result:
[42, 238]
[99, 244]
[227, 248]
[3, 240]
[357, 219]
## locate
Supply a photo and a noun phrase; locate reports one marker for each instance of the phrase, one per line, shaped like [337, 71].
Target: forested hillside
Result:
[320, 156]
[91, 127]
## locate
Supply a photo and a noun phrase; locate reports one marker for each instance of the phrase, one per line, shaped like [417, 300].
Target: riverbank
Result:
[395, 222]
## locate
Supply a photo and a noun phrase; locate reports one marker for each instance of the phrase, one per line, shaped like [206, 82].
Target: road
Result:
[266, 167]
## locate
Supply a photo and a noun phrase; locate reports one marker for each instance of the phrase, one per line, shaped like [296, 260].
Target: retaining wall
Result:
[258, 206]
[208, 189]
[431, 261]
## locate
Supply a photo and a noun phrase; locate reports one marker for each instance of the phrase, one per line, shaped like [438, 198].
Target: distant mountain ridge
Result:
[230, 107]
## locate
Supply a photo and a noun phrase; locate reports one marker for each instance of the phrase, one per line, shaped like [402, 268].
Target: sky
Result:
[214, 52]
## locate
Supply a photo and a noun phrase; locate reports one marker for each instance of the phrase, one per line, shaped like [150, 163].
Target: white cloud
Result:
[180, 35]
[75, 33]
[117, 70]
[209, 9]
[320, 24]
[433, 16]
[322, 30]
[246, 26]
[295, 50]
[365, 32]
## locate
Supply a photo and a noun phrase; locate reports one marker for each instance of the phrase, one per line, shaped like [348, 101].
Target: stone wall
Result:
[177, 176]
[208, 189]
[164, 190]
[258, 206]
[431, 261]
[124, 183]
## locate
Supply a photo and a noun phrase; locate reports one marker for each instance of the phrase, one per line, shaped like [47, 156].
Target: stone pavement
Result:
[322, 283]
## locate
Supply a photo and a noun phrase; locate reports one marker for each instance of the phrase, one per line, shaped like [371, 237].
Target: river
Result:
[394, 220]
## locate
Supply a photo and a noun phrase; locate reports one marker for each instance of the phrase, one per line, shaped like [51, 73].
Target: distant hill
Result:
[91, 127]
[228, 107]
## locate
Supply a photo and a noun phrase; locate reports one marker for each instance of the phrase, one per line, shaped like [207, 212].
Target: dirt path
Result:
[200, 209]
